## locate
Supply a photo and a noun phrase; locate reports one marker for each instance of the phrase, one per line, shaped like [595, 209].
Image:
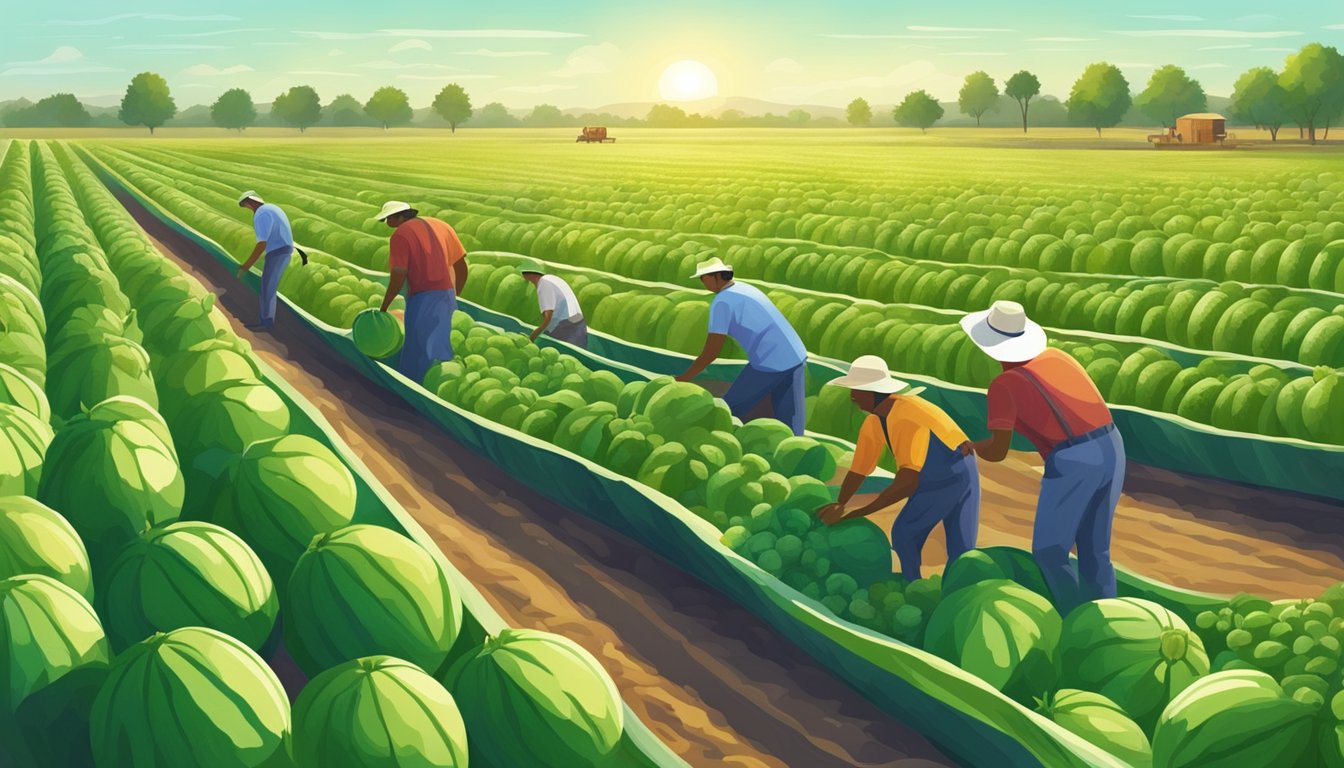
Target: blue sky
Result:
[596, 53]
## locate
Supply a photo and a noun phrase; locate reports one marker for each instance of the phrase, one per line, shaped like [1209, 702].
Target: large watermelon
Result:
[365, 591]
[24, 439]
[217, 582]
[536, 699]
[1099, 721]
[190, 698]
[36, 540]
[378, 712]
[377, 334]
[18, 389]
[1232, 719]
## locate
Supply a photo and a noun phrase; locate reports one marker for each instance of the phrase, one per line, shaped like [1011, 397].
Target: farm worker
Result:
[427, 257]
[1046, 396]
[561, 317]
[775, 355]
[276, 241]
[940, 484]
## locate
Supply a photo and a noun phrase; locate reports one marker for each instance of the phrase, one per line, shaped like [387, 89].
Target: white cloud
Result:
[487, 53]
[866, 36]
[138, 16]
[1228, 33]
[205, 70]
[783, 67]
[1167, 17]
[65, 60]
[1333, 26]
[537, 89]
[1254, 18]
[62, 55]
[410, 45]
[387, 64]
[1061, 39]
[589, 60]
[1232, 47]
[891, 86]
[1277, 50]
[957, 29]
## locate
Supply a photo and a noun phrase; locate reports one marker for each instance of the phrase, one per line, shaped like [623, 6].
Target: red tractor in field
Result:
[595, 135]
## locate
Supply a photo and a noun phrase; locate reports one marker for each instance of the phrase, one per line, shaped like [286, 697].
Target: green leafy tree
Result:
[494, 115]
[453, 105]
[61, 110]
[1257, 98]
[299, 107]
[389, 106]
[546, 116]
[918, 110]
[800, 116]
[666, 116]
[1022, 88]
[1313, 79]
[345, 111]
[147, 102]
[1170, 94]
[978, 95]
[859, 113]
[234, 110]
[1100, 98]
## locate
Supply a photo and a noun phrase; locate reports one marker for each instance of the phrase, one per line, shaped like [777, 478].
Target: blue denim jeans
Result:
[948, 493]
[784, 388]
[429, 325]
[271, 271]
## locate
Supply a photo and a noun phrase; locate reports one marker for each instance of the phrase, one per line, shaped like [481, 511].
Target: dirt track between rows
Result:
[710, 679]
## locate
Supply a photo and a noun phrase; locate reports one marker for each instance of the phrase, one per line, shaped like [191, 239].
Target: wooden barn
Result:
[1201, 128]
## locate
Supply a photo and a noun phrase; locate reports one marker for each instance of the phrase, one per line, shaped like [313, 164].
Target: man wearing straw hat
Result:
[941, 484]
[561, 317]
[775, 355]
[427, 257]
[276, 241]
[1045, 395]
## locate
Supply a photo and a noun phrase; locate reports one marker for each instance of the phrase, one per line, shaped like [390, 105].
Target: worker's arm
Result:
[545, 322]
[903, 487]
[252, 259]
[713, 346]
[835, 511]
[395, 279]
[460, 275]
[993, 448]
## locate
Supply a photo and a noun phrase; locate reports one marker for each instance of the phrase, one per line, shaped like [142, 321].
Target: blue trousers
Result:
[429, 323]
[948, 493]
[271, 270]
[1079, 492]
[784, 388]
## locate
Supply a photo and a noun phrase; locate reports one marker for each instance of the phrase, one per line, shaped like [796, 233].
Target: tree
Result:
[800, 116]
[859, 113]
[666, 116]
[1313, 79]
[546, 116]
[61, 110]
[299, 107]
[345, 111]
[1022, 87]
[234, 110]
[389, 106]
[918, 110]
[1100, 98]
[453, 105]
[1170, 94]
[494, 115]
[978, 96]
[147, 102]
[1257, 98]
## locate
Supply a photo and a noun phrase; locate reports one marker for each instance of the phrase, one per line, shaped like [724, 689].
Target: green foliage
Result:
[1100, 98]
[858, 113]
[299, 107]
[1259, 99]
[147, 102]
[978, 95]
[1170, 94]
[389, 106]
[234, 110]
[918, 110]
[453, 105]
[60, 110]
[1022, 87]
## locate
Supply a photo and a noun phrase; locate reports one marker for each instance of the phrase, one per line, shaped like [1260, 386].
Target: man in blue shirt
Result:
[276, 241]
[775, 354]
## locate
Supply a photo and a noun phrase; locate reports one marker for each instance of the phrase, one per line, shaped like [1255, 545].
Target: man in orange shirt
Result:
[941, 485]
[1047, 397]
[427, 257]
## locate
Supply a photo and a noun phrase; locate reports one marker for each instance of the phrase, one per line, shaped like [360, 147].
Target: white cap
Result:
[250, 194]
[1004, 332]
[391, 207]
[869, 373]
[710, 267]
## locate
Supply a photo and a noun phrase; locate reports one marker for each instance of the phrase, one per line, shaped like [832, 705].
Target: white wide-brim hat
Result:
[1004, 332]
[392, 207]
[250, 195]
[710, 267]
[869, 373]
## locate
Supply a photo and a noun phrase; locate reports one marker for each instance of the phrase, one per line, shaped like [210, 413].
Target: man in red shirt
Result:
[1046, 396]
[427, 257]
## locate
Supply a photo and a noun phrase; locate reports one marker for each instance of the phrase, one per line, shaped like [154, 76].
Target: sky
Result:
[591, 54]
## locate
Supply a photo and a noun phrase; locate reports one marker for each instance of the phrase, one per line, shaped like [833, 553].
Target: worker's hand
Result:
[832, 513]
[966, 448]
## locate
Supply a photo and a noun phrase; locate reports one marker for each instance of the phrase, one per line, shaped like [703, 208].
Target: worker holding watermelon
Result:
[1047, 397]
[276, 242]
[426, 256]
[561, 317]
[775, 355]
[938, 483]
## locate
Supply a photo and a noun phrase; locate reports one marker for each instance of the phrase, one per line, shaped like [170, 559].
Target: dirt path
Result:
[710, 679]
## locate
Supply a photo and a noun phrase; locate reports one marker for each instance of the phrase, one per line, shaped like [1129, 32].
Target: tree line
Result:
[1308, 91]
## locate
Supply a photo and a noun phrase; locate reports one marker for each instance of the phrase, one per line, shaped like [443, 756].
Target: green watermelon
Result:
[24, 439]
[1230, 719]
[1100, 722]
[36, 540]
[377, 334]
[17, 389]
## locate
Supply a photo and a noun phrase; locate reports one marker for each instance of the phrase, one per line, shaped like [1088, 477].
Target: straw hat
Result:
[710, 267]
[1004, 332]
[869, 373]
[250, 195]
[530, 265]
[392, 207]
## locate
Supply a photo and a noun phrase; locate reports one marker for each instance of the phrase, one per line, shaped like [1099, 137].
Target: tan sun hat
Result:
[250, 195]
[869, 373]
[1005, 333]
[392, 207]
[710, 267]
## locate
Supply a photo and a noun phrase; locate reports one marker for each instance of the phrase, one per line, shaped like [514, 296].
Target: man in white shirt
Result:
[561, 317]
[276, 242]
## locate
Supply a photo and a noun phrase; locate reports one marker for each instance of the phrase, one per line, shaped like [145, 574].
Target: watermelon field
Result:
[242, 547]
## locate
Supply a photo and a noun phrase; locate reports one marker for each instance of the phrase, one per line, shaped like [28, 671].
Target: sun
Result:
[688, 80]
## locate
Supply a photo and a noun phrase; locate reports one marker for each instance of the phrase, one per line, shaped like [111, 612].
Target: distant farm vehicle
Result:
[1195, 131]
[595, 135]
